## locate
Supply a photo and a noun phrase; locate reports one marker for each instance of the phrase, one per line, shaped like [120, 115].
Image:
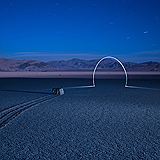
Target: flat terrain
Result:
[79, 74]
[106, 122]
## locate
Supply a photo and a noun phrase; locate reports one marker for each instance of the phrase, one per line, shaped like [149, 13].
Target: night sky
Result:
[87, 29]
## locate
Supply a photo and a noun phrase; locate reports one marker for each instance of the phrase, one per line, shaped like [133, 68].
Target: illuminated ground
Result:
[108, 121]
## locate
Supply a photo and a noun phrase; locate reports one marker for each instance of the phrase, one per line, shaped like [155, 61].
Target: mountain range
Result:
[13, 65]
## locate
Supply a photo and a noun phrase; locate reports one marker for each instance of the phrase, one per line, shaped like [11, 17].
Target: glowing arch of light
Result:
[94, 71]
[109, 57]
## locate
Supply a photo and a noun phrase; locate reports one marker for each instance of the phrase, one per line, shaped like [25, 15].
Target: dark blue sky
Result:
[88, 29]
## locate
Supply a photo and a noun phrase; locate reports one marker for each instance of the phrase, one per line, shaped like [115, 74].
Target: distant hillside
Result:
[12, 65]
[108, 64]
[23, 65]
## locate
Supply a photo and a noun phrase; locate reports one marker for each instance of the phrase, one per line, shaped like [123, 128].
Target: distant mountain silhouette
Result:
[108, 64]
[23, 65]
[9, 65]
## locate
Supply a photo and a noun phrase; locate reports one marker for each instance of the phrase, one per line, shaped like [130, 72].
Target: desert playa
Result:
[105, 122]
[79, 74]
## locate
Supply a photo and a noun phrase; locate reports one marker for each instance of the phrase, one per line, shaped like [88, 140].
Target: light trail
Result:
[94, 71]
[136, 87]
[109, 57]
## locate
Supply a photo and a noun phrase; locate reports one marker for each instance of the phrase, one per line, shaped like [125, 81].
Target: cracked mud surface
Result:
[106, 122]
